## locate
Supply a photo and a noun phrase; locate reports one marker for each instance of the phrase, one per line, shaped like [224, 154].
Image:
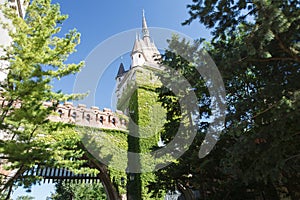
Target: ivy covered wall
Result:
[139, 101]
[105, 144]
[148, 114]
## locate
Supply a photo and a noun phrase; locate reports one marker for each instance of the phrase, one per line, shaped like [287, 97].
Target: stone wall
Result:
[91, 117]
[82, 116]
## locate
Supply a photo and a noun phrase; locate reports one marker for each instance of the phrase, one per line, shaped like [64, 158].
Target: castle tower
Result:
[144, 56]
[137, 98]
[144, 50]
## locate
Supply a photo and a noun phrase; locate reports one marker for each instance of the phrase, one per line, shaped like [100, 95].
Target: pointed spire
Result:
[136, 45]
[121, 71]
[144, 26]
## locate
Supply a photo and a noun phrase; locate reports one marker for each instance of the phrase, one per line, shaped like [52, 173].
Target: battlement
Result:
[82, 116]
[91, 117]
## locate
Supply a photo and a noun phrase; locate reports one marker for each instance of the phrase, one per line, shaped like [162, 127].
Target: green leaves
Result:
[79, 191]
[38, 55]
[256, 48]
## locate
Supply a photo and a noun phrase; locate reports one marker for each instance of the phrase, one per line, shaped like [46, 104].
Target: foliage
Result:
[149, 120]
[25, 198]
[78, 191]
[96, 142]
[181, 56]
[258, 55]
[148, 114]
[37, 56]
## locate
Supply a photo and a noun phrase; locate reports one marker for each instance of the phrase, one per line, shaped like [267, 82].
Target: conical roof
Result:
[121, 71]
[144, 45]
[145, 27]
[137, 46]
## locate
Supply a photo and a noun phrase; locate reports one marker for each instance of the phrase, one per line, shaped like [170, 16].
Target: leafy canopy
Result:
[256, 48]
[37, 56]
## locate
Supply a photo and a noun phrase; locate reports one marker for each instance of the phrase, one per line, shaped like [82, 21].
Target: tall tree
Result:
[37, 56]
[256, 47]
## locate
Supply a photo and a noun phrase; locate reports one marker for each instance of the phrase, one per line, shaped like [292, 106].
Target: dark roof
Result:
[121, 71]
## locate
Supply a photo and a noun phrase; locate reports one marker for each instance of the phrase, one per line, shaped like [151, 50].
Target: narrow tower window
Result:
[74, 115]
[60, 113]
[113, 121]
[88, 117]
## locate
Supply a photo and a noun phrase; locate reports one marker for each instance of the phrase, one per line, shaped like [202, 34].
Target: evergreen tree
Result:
[37, 56]
[256, 48]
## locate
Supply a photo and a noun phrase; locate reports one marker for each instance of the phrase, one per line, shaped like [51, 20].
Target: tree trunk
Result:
[110, 189]
[188, 194]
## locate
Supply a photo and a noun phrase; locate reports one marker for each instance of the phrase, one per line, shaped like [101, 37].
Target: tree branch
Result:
[10, 182]
[287, 50]
[9, 192]
[270, 59]
[290, 158]
[269, 108]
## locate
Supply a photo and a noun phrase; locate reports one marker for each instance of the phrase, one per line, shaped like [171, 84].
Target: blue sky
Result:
[98, 20]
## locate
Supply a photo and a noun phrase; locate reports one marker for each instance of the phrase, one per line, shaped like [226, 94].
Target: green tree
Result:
[256, 47]
[37, 56]
[78, 191]
[178, 174]
[25, 198]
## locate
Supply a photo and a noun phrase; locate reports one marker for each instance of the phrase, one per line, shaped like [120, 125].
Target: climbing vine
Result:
[148, 114]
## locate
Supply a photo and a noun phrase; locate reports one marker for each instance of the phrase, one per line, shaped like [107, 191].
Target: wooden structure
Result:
[57, 174]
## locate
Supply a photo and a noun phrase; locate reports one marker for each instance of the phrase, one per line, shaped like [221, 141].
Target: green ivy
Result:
[148, 114]
[117, 140]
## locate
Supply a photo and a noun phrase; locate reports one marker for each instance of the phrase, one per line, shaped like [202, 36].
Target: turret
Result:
[143, 55]
[137, 56]
[121, 72]
[144, 49]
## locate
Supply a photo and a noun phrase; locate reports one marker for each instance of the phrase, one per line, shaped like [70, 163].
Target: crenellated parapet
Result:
[82, 116]
[90, 117]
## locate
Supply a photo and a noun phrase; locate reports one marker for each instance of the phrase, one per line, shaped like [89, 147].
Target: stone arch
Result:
[54, 174]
